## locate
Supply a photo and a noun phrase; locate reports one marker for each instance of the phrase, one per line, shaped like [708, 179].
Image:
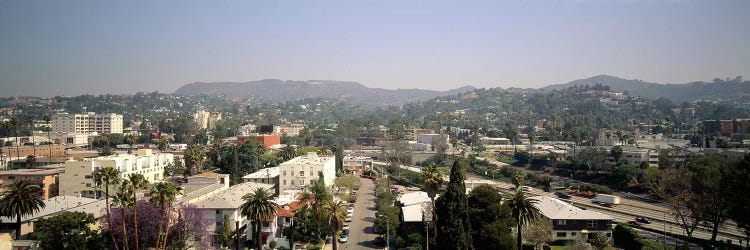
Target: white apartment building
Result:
[303, 170]
[205, 119]
[78, 178]
[87, 123]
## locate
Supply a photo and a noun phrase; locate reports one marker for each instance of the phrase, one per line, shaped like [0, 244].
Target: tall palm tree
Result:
[21, 199]
[524, 211]
[163, 194]
[137, 183]
[47, 120]
[106, 177]
[130, 140]
[336, 212]
[287, 153]
[13, 124]
[30, 122]
[258, 206]
[123, 199]
[432, 180]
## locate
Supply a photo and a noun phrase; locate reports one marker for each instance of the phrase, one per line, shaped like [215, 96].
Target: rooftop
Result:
[55, 205]
[271, 172]
[556, 209]
[414, 213]
[45, 170]
[232, 197]
[310, 159]
[412, 198]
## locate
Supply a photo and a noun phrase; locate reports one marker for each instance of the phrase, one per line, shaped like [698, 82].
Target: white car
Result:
[348, 219]
[525, 188]
[344, 236]
[346, 226]
[349, 210]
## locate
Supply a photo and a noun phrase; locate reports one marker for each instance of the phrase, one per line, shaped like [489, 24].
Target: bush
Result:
[625, 237]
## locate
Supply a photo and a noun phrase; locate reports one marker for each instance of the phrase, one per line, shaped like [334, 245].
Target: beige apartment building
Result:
[45, 177]
[87, 123]
[78, 178]
[303, 170]
[205, 119]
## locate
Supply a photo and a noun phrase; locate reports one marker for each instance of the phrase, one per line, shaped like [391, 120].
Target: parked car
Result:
[348, 218]
[525, 188]
[346, 226]
[643, 220]
[350, 210]
[344, 236]
[372, 177]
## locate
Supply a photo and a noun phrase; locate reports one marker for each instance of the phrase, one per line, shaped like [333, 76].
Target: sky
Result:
[74, 47]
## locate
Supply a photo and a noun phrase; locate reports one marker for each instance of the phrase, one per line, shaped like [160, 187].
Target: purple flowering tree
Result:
[187, 226]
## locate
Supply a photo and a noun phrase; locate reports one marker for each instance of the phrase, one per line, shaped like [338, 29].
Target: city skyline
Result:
[52, 48]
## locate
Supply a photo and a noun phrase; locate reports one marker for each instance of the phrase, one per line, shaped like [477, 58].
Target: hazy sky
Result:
[73, 47]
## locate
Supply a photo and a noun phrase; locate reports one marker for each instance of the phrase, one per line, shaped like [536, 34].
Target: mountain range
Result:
[271, 90]
[278, 90]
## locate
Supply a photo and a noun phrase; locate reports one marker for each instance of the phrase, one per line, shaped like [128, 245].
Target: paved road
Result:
[362, 233]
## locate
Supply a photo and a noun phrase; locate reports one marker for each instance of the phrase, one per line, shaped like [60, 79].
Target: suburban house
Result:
[570, 222]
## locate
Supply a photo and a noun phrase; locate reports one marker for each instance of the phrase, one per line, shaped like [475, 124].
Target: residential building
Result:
[205, 119]
[77, 180]
[38, 151]
[265, 176]
[640, 156]
[304, 170]
[87, 123]
[356, 164]
[288, 130]
[411, 134]
[44, 177]
[51, 207]
[227, 203]
[430, 138]
[267, 140]
[369, 141]
[416, 209]
[202, 186]
[570, 222]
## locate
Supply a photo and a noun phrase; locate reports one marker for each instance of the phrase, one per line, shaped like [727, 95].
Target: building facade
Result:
[87, 123]
[78, 178]
[205, 119]
[44, 177]
[304, 170]
[570, 222]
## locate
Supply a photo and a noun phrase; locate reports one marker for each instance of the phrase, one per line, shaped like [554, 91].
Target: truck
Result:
[606, 199]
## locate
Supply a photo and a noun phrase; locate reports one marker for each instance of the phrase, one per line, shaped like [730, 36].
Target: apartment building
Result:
[87, 123]
[45, 177]
[205, 119]
[570, 222]
[78, 178]
[304, 170]
[265, 176]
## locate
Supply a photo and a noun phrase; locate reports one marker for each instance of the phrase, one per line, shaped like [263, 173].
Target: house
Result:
[226, 203]
[570, 222]
[304, 170]
[416, 209]
[78, 177]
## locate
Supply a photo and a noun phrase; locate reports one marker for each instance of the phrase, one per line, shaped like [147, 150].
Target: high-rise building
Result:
[303, 170]
[205, 119]
[87, 123]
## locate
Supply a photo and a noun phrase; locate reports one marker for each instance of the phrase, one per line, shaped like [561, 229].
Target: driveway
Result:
[361, 231]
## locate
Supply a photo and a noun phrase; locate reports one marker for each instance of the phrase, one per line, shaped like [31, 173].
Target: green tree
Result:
[137, 183]
[258, 206]
[226, 231]
[524, 211]
[739, 211]
[68, 230]
[616, 153]
[431, 179]
[107, 176]
[130, 140]
[623, 174]
[490, 219]
[336, 212]
[21, 199]
[626, 238]
[193, 156]
[710, 183]
[287, 153]
[124, 199]
[163, 194]
[539, 232]
[162, 142]
[522, 158]
[339, 155]
[47, 120]
[598, 240]
[453, 212]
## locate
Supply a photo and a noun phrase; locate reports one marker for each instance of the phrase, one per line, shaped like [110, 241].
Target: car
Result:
[606, 205]
[380, 241]
[350, 210]
[562, 195]
[354, 199]
[344, 238]
[643, 220]
[635, 223]
[525, 188]
[348, 219]
[346, 226]
[371, 177]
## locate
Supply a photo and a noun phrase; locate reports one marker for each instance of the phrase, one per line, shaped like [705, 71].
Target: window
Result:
[562, 234]
[561, 222]
[284, 182]
[292, 182]
[312, 182]
[284, 172]
[218, 212]
[609, 234]
[592, 223]
[311, 173]
[608, 222]
[88, 184]
[573, 234]
[302, 173]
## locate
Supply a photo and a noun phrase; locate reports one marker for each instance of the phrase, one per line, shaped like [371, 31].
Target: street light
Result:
[387, 232]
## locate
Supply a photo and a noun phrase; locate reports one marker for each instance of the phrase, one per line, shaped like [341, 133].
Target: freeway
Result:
[660, 216]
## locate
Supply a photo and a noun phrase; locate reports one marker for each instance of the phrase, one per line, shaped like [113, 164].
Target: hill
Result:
[717, 90]
[278, 90]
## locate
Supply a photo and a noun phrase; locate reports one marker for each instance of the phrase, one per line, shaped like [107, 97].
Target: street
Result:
[362, 233]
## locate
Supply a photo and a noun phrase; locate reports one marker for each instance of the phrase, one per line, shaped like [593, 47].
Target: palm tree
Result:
[47, 120]
[193, 156]
[432, 180]
[162, 142]
[287, 153]
[314, 196]
[258, 206]
[21, 199]
[335, 211]
[162, 194]
[30, 122]
[107, 176]
[524, 211]
[137, 183]
[13, 124]
[123, 199]
[130, 140]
